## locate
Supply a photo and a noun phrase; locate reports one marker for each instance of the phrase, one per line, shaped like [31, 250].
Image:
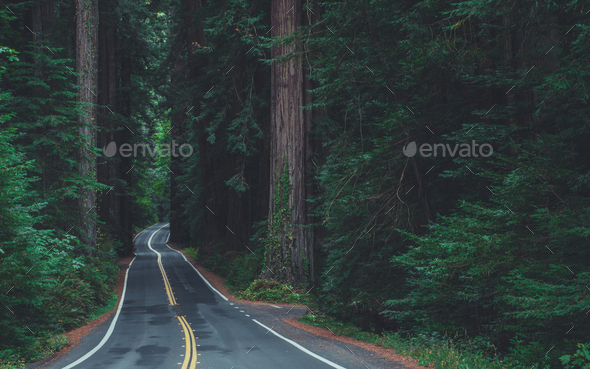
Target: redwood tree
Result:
[290, 244]
[86, 61]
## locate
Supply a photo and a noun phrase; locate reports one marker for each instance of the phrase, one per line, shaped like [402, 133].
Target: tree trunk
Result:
[86, 58]
[177, 199]
[124, 100]
[289, 244]
[108, 170]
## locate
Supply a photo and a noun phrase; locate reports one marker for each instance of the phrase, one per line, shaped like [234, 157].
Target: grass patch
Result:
[273, 291]
[428, 350]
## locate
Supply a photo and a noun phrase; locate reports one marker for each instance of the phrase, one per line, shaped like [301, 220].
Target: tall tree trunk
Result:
[262, 78]
[108, 168]
[290, 241]
[86, 58]
[177, 196]
[125, 136]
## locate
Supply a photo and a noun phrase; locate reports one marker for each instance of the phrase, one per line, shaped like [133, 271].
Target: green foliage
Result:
[44, 111]
[279, 238]
[581, 359]
[50, 288]
[110, 305]
[500, 231]
[238, 268]
[226, 124]
[193, 253]
[265, 290]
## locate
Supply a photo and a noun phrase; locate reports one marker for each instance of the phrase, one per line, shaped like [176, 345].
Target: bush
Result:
[581, 359]
[269, 290]
[265, 290]
[193, 253]
[238, 268]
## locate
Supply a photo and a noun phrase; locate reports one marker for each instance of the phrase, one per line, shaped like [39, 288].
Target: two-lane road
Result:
[171, 317]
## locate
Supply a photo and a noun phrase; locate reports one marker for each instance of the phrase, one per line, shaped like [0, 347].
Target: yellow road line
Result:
[171, 297]
[193, 343]
[187, 352]
[190, 352]
[169, 292]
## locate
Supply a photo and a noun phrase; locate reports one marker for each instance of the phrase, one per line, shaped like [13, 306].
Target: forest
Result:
[413, 169]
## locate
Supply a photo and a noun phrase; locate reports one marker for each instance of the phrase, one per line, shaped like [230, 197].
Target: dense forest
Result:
[418, 167]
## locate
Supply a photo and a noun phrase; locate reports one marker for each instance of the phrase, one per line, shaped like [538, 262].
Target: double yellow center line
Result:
[190, 354]
[188, 336]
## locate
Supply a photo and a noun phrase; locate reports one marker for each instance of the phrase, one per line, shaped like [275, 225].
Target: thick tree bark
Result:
[86, 60]
[108, 170]
[177, 231]
[287, 257]
[263, 145]
[124, 105]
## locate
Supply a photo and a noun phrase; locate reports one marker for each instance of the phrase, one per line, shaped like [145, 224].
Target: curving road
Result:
[171, 317]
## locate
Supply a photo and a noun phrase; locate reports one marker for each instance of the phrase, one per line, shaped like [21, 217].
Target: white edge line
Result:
[274, 306]
[199, 273]
[326, 361]
[149, 243]
[137, 235]
[111, 327]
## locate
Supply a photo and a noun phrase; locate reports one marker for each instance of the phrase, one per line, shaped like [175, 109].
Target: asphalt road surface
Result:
[171, 317]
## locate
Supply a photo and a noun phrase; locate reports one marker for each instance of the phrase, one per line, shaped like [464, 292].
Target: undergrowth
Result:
[70, 290]
[438, 352]
[269, 290]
